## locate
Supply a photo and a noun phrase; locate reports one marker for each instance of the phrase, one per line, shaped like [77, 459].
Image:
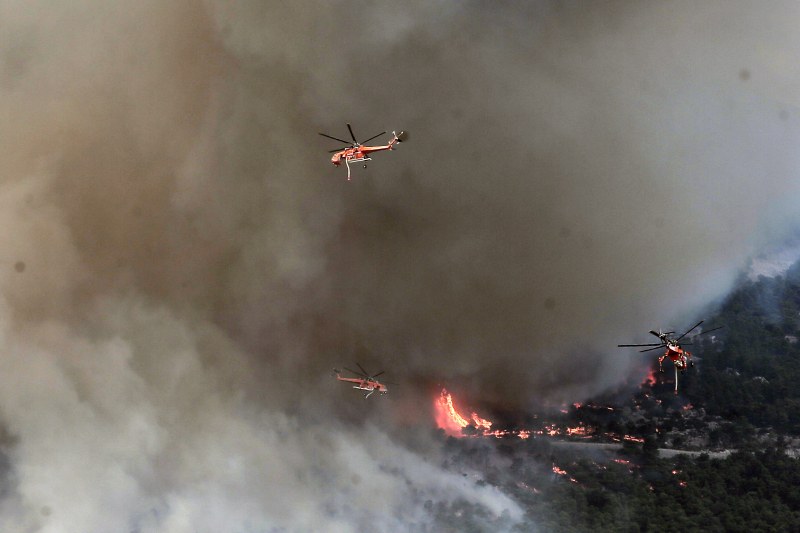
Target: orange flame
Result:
[449, 419]
[453, 423]
[651, 379]
[562, 472]
[481, 423]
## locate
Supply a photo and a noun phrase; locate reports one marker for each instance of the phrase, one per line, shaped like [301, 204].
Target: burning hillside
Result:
[619, 418]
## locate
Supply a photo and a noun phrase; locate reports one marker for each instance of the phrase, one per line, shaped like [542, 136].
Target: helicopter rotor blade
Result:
[710, 330]
[362, 369]
[374, 136]
[636, 345]
[378, 374]
[650, 349]
[652, 332]
[689, 330]
[335, 139]
[353, 371]
[352, 134]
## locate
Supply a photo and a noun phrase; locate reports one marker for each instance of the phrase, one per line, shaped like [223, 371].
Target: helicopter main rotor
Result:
[666, 340]
[354, 144]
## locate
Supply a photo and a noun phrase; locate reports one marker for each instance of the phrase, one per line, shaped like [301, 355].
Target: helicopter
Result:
[356, 152]
[364, 381]
[674, 349]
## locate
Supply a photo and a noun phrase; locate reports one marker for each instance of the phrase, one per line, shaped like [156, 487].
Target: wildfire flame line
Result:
[451, 421]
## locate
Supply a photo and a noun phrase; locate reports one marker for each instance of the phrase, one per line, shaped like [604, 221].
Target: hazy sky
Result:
[181, 266]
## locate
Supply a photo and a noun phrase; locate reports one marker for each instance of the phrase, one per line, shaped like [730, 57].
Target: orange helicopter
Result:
[680, 358]
[357, 152]
[364, 381]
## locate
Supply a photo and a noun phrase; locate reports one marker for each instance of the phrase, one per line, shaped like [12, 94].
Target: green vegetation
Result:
[749, 381]
[753, 375]
[744, 492]
[567, 490]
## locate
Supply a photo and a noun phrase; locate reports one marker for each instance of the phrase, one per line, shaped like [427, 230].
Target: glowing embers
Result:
[681, 483]
[561, 472]
[451, 421]
[551, 430]
[631, 438]
[579, 431]
[525, 486]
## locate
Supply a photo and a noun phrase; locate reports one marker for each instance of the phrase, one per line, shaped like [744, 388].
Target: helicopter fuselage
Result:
[357, 153]
[365, 384]
[676, 354]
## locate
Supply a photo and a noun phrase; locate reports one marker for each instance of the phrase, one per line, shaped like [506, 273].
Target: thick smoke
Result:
[181, 267]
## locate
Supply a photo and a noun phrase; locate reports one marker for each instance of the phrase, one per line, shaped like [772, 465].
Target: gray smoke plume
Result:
[181, 266]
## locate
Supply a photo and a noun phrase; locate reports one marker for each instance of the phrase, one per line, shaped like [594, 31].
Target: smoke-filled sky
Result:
[181, 266]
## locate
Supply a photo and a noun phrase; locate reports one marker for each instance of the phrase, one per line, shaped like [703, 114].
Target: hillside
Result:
[741, 395]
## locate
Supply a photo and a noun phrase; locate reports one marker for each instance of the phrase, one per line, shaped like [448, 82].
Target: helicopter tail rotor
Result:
[397, 138]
